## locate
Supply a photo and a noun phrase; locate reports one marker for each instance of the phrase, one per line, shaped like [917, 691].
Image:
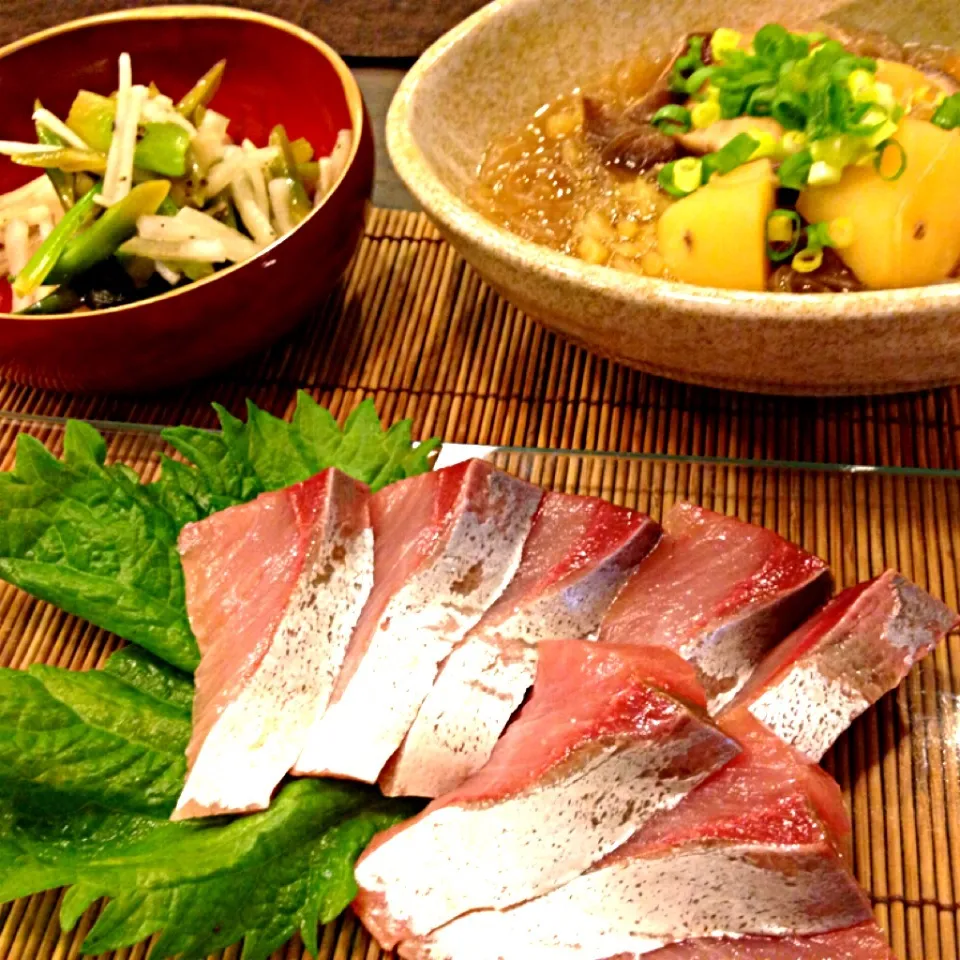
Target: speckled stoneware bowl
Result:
[490, 73]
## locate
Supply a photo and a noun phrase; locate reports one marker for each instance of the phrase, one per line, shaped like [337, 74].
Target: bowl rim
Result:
[454, 213]
[352, 94]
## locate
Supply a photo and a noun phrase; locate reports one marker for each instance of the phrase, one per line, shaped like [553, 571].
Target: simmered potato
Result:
[716, 237]
[908, 82]
[906, 231]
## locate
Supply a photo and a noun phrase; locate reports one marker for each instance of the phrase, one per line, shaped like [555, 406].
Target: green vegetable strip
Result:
[947, 115]
[672, 120]
[161, 148]
[42, 263]
[61, 300]
[203, 90]
[62, 183]
[116, 225]
[285, 166]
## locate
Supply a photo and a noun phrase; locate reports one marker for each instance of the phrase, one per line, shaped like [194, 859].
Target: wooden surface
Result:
[356, 28]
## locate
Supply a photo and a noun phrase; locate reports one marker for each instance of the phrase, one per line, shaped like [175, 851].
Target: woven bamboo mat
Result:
[414, 327]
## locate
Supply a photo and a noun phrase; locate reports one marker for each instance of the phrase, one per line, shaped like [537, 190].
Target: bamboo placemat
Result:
[899, 766]
[413, 326]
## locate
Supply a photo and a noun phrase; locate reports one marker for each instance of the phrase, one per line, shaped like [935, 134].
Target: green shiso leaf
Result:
[93, 540]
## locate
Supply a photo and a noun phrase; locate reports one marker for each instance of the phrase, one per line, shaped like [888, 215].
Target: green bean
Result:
[309, 174]
[43, 262]
[162, 148]
[61, 300]
[65, 159]
[302, 150]
[285, 166]
[62, 182]
[168, 208]
[203, 90]
[117, 225]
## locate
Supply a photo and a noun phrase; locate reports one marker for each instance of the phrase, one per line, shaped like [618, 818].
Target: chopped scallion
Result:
[878, 160]
[783, 227]
[672, 120]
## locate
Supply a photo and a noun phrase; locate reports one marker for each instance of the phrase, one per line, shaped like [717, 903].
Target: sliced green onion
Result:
[808, 260]
[704, 114]
[878, 160]
[723, 41]
[689, 63]
[735, 153]
[681, 177]
[947, 115]
[783, 226]
[698, 78]
[818, 235]
[38, 267]
[795, 170]
[672, 120]
[790, 109]
[824, 174]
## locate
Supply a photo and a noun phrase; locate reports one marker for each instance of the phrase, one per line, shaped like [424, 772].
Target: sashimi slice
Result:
[811, 687]
[603, 744]
[479, 688]
[579, 554]
[754, 850]
[720, 593]
[274, 589]
[446, 545]
[862, 942]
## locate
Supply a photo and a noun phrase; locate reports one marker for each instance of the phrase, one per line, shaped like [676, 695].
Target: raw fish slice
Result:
[579, 554]
[826, 673]
[446, 544]
[862, 942]
[479, 688]
[577, 557]
[754, 850]
[601, 746]
[719, 592]
[274, 589]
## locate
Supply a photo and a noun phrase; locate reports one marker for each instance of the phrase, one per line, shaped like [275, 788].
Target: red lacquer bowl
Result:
[276, 73]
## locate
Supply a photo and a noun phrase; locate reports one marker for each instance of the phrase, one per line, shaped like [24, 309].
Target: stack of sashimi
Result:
[620, 723]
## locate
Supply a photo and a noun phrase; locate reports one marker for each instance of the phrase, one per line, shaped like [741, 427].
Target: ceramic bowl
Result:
[489, 75]
[276, 73]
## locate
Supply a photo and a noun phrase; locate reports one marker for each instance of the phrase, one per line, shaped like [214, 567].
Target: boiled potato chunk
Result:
[906, 232]
[717, 236]
[908, 82]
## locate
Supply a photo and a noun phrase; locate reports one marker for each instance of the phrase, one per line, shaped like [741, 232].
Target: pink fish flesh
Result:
[602, 745]
[579, 554]
[812, 686]
[274, 590]
[719, 592]
[862, 942]
[446, 545]
[755, 850]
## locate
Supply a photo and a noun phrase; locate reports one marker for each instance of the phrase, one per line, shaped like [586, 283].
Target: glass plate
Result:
[899, 765]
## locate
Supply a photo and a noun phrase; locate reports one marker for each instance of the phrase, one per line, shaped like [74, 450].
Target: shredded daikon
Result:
[333, 165]
[39, 190]
[160, 109]
[238, 246]
[16, 238]
[200, 251]
[11, 148]
[257, 180]
[234, 160]
[50, 121]
[279, 190]
[118, 176]
[168, 273]
[254, 219]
